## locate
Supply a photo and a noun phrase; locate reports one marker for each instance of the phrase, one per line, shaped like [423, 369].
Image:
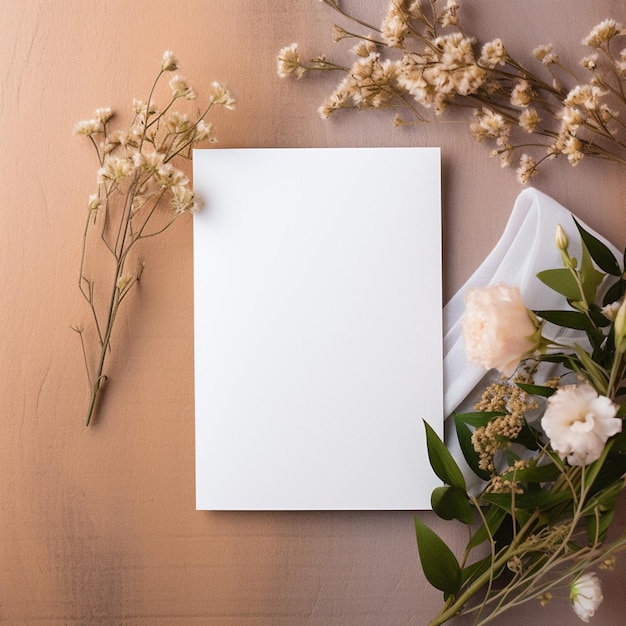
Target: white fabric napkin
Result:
[526, 247]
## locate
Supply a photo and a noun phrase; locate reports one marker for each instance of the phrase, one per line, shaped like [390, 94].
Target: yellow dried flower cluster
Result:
[514, 403]
[421, 58]
[141, 192]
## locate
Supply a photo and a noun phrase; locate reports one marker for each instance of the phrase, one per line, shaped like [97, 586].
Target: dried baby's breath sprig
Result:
[141, 192]
[422, 60]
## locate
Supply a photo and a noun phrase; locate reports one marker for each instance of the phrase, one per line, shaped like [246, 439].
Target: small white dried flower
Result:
[493, 53]
[148, 161]
[395, 28]
[545, 54]
[180, 88]
[205, 131]
[604, 31]
[104, 114]
[522, 94]
[364, 48]
[573, 150]
[339, 33]
[587, 96]
[492, 125]
[114, 169]
[289, 62]
[448, 16]
[222, 96]
[183, 200]
[528, 119]
[590, 62]
[178, 123]
[170, 62]
[527, 168]
[87, 128]
[168, 176]
[94, 202]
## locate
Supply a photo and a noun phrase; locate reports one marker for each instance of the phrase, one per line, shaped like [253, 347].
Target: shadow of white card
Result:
[317, 277]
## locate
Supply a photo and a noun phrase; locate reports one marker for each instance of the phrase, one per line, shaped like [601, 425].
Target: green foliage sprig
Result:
[549, 454]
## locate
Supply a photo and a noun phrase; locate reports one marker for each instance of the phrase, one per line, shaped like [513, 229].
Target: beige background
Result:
[98, 525]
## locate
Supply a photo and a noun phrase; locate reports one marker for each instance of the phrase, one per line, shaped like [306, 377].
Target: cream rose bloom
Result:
[578, 423]
[498, 329]
[586, 595]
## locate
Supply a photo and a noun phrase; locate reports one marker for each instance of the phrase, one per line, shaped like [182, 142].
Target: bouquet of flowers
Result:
[140, 193]
[422, 60]
[545, 443]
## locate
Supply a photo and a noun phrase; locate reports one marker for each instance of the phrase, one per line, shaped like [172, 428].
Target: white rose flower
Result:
[498, 329]
[578, 423]
[586, 595]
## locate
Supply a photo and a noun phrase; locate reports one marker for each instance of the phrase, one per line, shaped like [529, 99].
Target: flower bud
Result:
[620, 328]
[561, 238]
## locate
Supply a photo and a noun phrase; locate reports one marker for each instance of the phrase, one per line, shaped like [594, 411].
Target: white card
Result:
[318, 347]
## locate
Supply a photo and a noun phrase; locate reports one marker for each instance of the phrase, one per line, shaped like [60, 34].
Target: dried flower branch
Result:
[140, 194]
[421, 59]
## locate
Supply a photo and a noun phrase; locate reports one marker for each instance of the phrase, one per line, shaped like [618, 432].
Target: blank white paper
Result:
[318, 338]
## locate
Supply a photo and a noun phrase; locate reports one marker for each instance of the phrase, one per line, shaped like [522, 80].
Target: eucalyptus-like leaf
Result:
[441, 460]
[562, 281]
[599, 252]
[440, 566]
[452, 503]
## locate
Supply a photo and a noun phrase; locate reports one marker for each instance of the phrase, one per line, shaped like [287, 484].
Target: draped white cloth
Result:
[526, 247]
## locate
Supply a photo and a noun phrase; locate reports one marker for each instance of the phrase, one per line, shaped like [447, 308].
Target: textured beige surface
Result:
[98, 525]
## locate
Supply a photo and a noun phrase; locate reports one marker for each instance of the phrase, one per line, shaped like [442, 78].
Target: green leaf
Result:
[527, 437]
[598, 375]
[494, 518]
[614, 292]
[476, 569]
[600, 510]
[589, 276]
[536, 390]
[441, 460]
[439, 564]
[562, 281]
[540, 474]
[599, 252]
[452, 503]
[478, 418]
[598, 527]
[464, 435]
[568, 319]
[605, 499]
